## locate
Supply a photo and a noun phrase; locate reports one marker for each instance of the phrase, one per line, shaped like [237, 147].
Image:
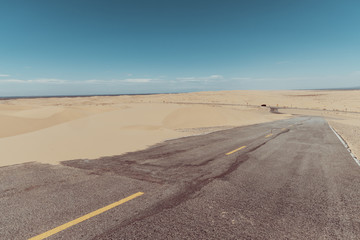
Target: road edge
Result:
[345, 145]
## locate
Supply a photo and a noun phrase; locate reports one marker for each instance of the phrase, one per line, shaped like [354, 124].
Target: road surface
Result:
[288, 179]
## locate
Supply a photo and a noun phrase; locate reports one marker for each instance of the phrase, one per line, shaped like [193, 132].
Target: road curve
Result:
[288, 179]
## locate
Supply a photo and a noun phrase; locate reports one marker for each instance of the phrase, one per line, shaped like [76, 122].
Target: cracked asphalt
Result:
[288, 179]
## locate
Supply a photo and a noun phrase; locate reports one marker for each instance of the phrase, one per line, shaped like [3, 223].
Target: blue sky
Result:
[50, 47]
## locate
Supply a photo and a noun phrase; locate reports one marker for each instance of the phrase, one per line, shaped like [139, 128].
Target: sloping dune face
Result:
[33, 119]
[82, 133]
[94, 136]
[201, 116]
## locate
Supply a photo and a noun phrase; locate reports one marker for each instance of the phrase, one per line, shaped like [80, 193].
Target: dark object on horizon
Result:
[263, 105]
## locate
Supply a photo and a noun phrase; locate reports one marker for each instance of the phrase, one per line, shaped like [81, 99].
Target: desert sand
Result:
[50, 130]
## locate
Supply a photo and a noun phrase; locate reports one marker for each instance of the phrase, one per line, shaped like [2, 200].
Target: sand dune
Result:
[56, 129]
[34, 113]
[200, 116]
[24, 121]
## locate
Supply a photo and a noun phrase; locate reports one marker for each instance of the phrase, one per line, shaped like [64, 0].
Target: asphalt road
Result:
[289, 179]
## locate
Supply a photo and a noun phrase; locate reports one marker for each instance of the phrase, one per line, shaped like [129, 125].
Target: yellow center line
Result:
[269, 135]
[238, 149]
[85, 217]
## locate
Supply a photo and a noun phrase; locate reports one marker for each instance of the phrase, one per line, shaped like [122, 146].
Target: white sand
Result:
[57, 129]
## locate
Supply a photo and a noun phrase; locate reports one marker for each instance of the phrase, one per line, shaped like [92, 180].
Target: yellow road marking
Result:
[269, 135]
[238, 149]
[85, 217]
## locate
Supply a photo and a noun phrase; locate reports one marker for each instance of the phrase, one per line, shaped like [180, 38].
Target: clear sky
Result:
[72, 47]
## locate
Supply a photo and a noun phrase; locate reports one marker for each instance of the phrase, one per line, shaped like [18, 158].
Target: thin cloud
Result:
[11, 81]
[112, 81]
[200, 79]
[188, 79]
[4, 75]
[48, 80]
[216, 77]
[138, 80]
[241, 78]
[90, 81]
[41, 80]
[269, 79]
[95, 81]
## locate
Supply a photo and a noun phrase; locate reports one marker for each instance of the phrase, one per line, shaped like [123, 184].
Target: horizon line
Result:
[154, 93]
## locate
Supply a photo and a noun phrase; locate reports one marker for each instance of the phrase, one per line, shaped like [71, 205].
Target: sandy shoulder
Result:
[349, 130]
